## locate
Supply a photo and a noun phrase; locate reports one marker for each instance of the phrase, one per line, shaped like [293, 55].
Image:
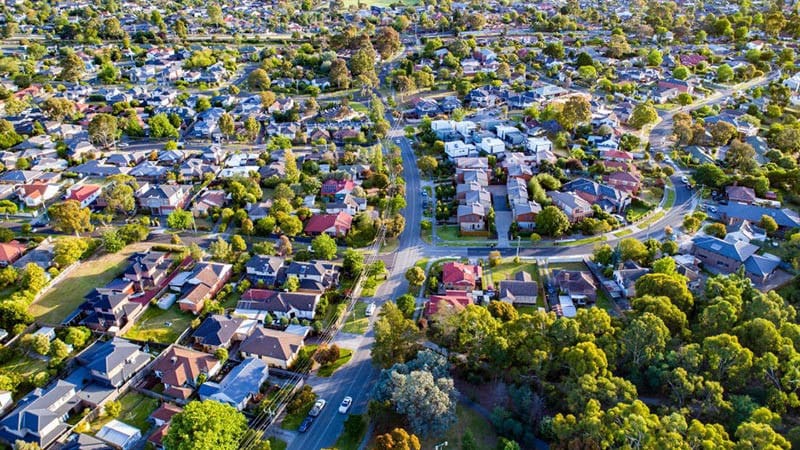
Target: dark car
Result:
[305, 424]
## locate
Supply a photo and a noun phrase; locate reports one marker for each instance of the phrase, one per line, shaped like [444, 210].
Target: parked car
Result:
[345, 406]
[318, 406]
[684, 180]
[305, 424]
[370, 310]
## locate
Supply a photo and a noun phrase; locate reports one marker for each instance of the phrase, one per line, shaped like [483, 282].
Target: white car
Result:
[684, 180]
[317, 408]
[345, 406]
[123, 145]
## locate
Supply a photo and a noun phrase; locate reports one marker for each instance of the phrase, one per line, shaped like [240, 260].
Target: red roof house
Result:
[333, 188]
[455, 300]
[336, 225]
[624, 181]
[10, 252]
[463, 277]
[85, 194]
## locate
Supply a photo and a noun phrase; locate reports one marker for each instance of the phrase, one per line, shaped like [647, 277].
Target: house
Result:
[112, 363]
[278, 304]
[608, 198]
[34, 195]
[460, 276]
[335, 225]
[471, 217]
[575, 207]
[210, 199]
[156, 438]
[542, 149]
[276, 348]
[457, 149]
[737, 212]
[624, 181]
[262, 269]
[109, 308]
[578, 285]
[491, 145]
[336, 189]
[216, 332]
[741, 194]
[84, 194]
[147, 269]
[239, 386]
[205, 280]
[179, 369]
[451, 300]
[10, 252]
[162, 199]
[728, 255]
[314, 276]
[520, 290]
[119, 434]
[41, 416]
[745, 231]
[625, 277]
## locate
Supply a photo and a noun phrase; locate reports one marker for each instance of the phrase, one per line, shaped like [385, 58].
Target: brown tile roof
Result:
[180, 365]
[272, 344]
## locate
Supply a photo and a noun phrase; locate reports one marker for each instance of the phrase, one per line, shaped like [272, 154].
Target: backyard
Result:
[67, 295]
[508, 268]
[136, 408]
[158, 325]
[25, 366]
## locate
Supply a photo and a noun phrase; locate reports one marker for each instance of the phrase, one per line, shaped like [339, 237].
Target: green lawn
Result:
[451, 233]
[136, 408]
[582, 241]
[152, 326]
[25, 366]
[650, 220]
[370, 286]
[356, 323]
[344, 357]
[636, 212]
[68, 294]
[670, 199]
[525, 309]
[352, 441]
[482, 431]
[622, 233]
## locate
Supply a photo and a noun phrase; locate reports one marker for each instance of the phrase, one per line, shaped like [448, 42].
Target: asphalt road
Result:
[358, 376]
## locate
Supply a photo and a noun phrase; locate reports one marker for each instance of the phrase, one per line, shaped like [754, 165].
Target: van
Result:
[370, 310]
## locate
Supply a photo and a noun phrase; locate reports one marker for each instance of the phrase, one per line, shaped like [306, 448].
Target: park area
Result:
[68, 294]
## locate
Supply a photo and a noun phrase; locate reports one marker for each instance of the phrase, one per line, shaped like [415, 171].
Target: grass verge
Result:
[277, 444]
[345, 354]
[652, 219]
[356, 323]
[586, 240]
[623, 233]
[355, 427]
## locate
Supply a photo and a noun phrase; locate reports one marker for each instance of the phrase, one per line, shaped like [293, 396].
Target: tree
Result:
[22, 445]
[576, 111]
[634, 250]
[258, 80]
[741, 156]
[672, 286]
[77, 336]
[397, 439]
[290, 166]
[674, 319]
[759, 435]
[654, 58]
[113, 408]
[324, 247]
[710, 175]
[161, 127]
[768, 224]
[119, 198]
[220, 250]
[551, 221]
[238, 244]
[69, 217]
[39, 343]
[716, 229]
[72, 67]
[387, 41]
[353, 262]
[103, 130]
[108, 73]
[724, 73]
[415, 276]
[252, 128]
[644, 339]
[221, 354]
[180, 219]
[503, 311]
[112, 242]
[226, 125]
[68, 250]
[407, 304]
[643, 114]
[340, 74]
[396, 337]
[57, 108]
[205, 425]
[427, 164]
